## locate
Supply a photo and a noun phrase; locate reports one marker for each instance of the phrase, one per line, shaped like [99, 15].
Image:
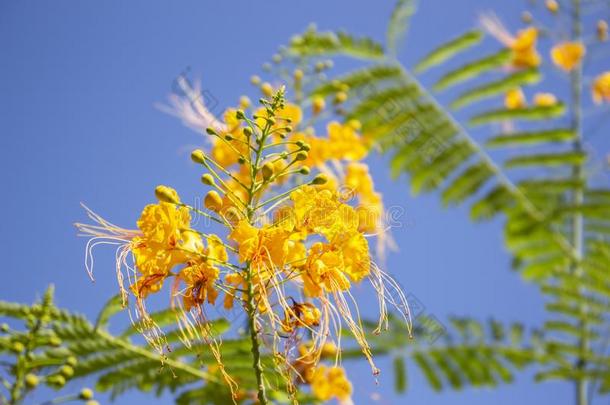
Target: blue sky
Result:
[78, 83]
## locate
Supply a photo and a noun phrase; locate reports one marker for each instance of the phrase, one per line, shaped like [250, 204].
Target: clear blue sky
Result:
[78, 81]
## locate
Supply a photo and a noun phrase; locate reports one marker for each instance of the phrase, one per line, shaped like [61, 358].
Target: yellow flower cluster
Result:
[290, 243]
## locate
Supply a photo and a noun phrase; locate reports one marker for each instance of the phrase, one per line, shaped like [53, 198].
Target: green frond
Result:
[526, 113]
[448, 50]
[547, 159]
[500, 86]
[398, 24]
[530, 138]
[313, 43]
[473, 69]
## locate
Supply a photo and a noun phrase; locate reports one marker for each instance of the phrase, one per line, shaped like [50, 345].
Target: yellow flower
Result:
[568, 55]
[324, 271]
[524, 49]
[601, 88]
[305, 314]
[264, 247]
[321, 212]
[330, 382]
[345, 143]
[200, 278]
[514, 99]
[355, 250]
[544, 99]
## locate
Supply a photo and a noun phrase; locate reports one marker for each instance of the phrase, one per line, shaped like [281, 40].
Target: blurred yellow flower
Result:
[568, 55]
[601, 88]
[330, 382]
[524, 49]
[545, 99]
[514, 99]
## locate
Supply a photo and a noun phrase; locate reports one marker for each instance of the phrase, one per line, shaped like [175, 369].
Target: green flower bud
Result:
[56, 380]
[241, 160]
[300, 143]
[247, 131]
[298, 75]
[17, 347]
[31, 380]
[255, 80]
[211, 131]
[212, 201]
[301, 156]
[267, 170]
[320, 179]
[340, 97]
[207, 179]
[167, 194]
[55, 341]
[277, 58]
[306, 147]
[229, 137]
[85, 394]
[240, 114]
[198, 156]
[304, 170]
[72, 361]
[4, 328]
[66, 371]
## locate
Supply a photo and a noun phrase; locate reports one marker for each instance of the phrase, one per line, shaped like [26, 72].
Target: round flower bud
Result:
[66, 371]
[85, 394]
[213, 201]
[306, 147]
[304, 170]
[271, 120]
[56, 380]
[301, 156]
[298, 75]
[244, 102]
[167, 194]
[527, 17]
[319, 66]
[267, 170]
[247, 131]
[207, 179]
[267, 89]
[31, 380]
[4, 327]
[240, 114]
[340, 97]
[320, 179]
[198, 156]
[288, 129]
[318, 104]
[55, 341]
[17, 347]
[71, 361]
[255, 80]
[277, 58]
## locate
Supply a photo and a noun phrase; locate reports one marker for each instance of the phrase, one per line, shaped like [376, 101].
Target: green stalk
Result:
[250, 304]
[577, 200]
